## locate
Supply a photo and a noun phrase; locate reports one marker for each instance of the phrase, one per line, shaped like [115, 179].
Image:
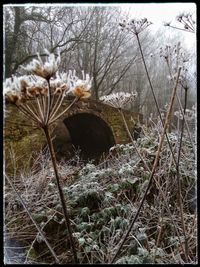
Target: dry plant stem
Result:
[27, 255]
[147, 167]
[185, 121]
[31, 112]
[26, 113]
[191, 26]
[160, 231]
[181, 109]
[61, 195]
[44, 104]
[65, 110]
[191, 30]
[52, 102]
[167, 120]
[57, 105]
[155, 100]
[48, 103]
[40, 108]
[179, 182]
[172, 153]
[36, 225]
[34, 108]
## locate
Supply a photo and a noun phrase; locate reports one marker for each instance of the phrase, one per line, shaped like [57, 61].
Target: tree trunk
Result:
[10, 46]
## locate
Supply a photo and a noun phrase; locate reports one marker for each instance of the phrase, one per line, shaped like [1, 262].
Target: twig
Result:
[181, 109]
[27, 255]
[154, 97]
[177, 28]
[47, 113]
[157, 184]
[179, 182]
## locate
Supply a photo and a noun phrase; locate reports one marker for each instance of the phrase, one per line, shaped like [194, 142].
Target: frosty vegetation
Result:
[101, 200]
[85, 210]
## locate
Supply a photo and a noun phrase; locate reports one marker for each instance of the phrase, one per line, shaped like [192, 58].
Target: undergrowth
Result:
[101, 199]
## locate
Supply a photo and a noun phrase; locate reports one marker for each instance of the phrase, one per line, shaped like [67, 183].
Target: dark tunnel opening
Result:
[90, 134]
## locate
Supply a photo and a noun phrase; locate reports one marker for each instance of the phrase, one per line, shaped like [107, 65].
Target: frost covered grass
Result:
[101, 200]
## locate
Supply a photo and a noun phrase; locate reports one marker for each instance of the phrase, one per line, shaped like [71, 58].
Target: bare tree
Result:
[89, 39]
[31, 29]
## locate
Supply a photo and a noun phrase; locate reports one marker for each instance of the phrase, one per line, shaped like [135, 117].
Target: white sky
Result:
[158, 13]
[155, 12]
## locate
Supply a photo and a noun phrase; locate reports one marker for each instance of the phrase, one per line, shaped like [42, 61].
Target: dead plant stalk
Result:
[179, 181]
[61, 195]
[154, 97]
[166, 125]
[157, 183]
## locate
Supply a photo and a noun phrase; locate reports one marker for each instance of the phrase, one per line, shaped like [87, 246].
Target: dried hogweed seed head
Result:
[80, 88]
[58, 91]
[18, 90]
[12, 90]
[185, 22]
[45, 70]
[24, 85]
[135, 25]
[119, 100]
[61, 83]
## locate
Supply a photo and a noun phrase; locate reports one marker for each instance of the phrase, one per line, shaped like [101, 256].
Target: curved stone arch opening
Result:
[86, 132]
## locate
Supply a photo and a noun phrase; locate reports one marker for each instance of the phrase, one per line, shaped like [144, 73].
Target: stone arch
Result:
[85, 131]
[28, 140]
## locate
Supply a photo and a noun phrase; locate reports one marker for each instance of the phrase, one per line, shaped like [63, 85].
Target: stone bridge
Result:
[91, 126]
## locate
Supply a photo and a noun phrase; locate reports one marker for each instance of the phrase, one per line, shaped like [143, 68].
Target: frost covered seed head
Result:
[184, 22]
[45, 70]
[18, 90]
[119, 100]
[46, 88]
[81, 88]
[189, 114]
[135, 25]
[60, 83]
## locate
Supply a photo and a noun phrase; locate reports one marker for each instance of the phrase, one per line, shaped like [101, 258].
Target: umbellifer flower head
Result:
[119, 100]
[18, 89]
[45, 70]
[81, 88]
[47, 88]
[135, 25]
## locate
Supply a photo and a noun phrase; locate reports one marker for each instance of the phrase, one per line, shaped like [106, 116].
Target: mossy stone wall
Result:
[23, 141]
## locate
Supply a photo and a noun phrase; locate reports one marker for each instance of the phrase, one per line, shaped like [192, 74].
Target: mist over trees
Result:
[89, 39]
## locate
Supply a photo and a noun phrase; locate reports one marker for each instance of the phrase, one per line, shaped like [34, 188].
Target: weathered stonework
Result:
[22, 141]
